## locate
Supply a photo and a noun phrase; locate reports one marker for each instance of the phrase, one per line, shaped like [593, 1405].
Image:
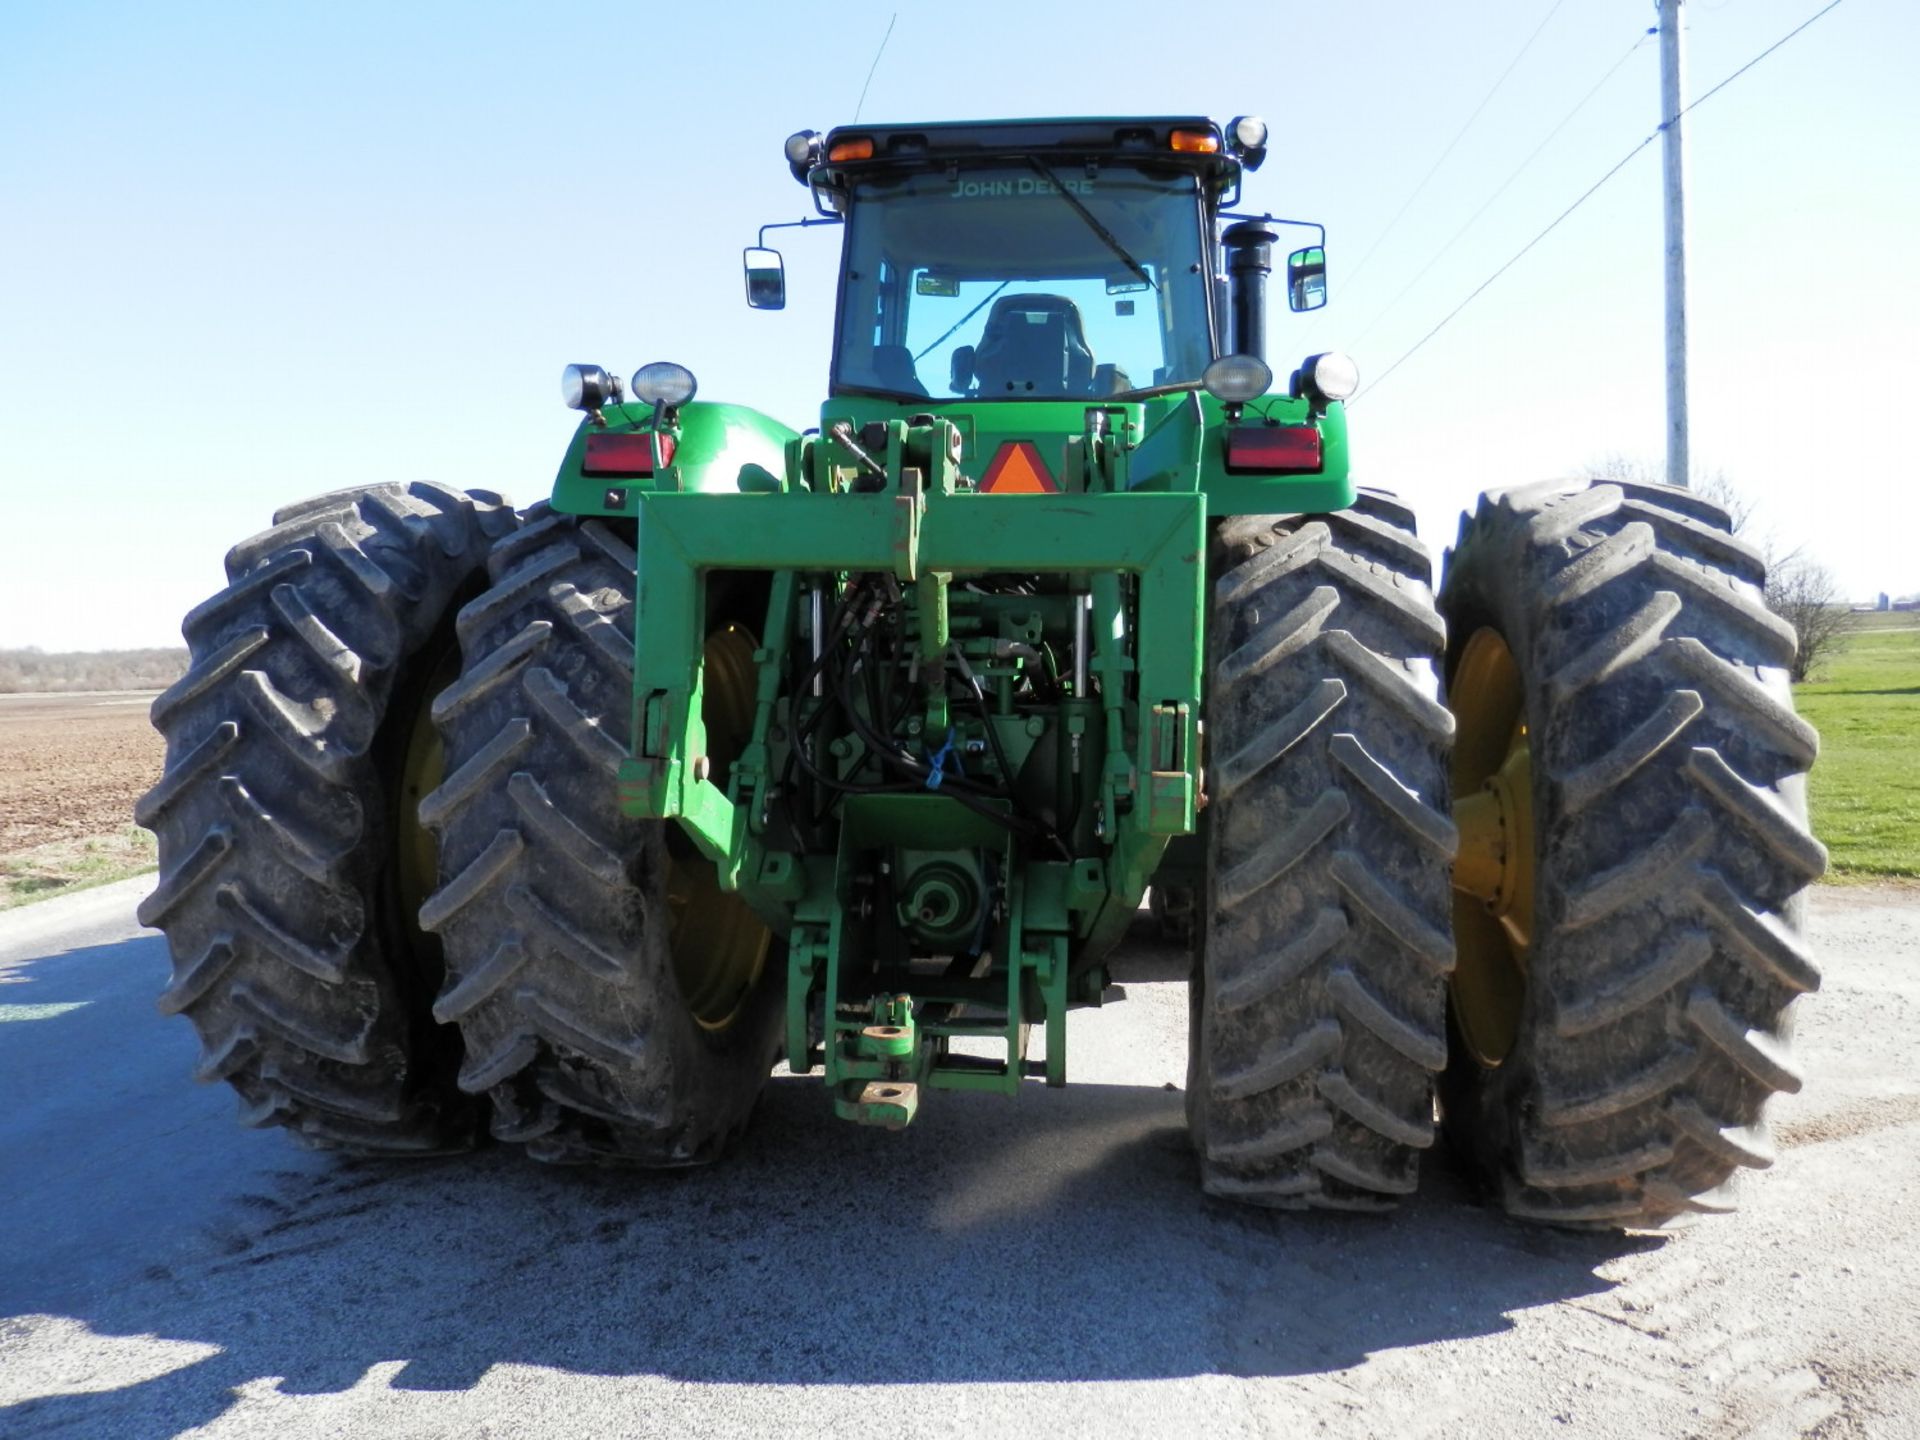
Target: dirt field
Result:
[71, 767]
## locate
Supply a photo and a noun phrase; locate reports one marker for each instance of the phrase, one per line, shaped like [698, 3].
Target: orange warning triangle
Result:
[1017, 469]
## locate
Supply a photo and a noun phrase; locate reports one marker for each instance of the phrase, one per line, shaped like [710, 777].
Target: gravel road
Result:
[1042, 1265]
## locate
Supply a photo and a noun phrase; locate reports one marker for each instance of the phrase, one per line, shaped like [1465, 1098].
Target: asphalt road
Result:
[1040, 1266]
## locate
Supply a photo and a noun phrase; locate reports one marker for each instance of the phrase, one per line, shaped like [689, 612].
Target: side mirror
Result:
[766, 278]
[960, 374]
[1307, 279]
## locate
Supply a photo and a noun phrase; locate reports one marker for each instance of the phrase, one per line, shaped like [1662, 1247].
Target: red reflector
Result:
[1273, 449]
[629, 453]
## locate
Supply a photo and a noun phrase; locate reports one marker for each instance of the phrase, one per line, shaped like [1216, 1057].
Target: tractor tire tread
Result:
[552, 903]
[1319, 997]
[271, 816]
[1674, 849]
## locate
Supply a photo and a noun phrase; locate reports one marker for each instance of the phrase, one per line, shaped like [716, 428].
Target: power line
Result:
[1755, 60]
[1452, 144]
[873, 67]
[1504, 186]
[1591, 189]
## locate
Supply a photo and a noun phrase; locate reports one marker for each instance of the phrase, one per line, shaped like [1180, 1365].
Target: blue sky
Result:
[251, 252]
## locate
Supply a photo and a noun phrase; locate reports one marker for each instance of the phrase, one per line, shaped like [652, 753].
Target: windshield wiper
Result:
[1093, 223]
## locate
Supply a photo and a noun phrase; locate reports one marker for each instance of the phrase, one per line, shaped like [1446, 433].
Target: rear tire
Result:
[1319, 995]
[553, 906]
[277, 823]
[1671, 849]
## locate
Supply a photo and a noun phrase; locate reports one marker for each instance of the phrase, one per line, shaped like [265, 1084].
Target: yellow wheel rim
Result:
[719, 945]
[1493, 875]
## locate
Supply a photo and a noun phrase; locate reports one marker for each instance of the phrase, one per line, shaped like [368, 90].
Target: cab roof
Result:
[1059, 140]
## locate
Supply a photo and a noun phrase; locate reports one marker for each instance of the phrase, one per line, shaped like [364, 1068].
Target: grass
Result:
[1865, 788]
[63, 866]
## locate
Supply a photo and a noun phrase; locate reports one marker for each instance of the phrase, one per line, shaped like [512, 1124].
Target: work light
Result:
[1248, 136]
[1328, 376]
[664, 383]
[1237, 379]
[587, 387]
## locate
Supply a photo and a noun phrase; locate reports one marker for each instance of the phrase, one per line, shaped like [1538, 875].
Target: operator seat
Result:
[1033, 344]
[893, 368]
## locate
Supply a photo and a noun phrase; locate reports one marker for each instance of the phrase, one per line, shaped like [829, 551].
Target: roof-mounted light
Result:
[858, 148]
[1248, 134]
[1194, 142]
[803, 153]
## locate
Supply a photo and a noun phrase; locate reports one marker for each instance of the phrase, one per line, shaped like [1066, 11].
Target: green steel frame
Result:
[1128, 531]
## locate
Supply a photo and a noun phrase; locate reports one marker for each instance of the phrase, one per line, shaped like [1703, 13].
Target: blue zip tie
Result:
[938, 760]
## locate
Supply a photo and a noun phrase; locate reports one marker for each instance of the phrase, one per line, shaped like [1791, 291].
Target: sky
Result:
[249, 253]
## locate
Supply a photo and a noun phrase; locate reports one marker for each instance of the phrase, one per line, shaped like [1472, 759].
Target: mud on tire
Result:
[1671, 846]
[1318, 998]
[553, 905]
[292, 954]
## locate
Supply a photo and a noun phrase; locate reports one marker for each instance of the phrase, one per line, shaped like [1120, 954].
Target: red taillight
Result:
[1273, 449]
[630, 453]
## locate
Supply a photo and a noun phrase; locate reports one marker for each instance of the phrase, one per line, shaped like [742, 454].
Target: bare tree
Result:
[1715, 486]
[1803, 592]
[1799, 589]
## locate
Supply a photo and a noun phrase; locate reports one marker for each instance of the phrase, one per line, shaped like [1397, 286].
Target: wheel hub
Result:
[1493, 874]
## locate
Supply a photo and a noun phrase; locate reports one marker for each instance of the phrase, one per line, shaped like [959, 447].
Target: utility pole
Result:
[1674, 154]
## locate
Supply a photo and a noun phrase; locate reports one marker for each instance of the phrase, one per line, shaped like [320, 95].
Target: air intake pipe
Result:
[1249, 247]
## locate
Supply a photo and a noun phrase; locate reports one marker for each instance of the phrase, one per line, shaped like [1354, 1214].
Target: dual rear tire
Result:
[349, 985]
[1605, 1002]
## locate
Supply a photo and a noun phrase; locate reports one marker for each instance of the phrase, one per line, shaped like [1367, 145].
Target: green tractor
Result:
[859, 749]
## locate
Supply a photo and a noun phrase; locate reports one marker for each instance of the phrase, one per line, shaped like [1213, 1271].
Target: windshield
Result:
[1024, 282]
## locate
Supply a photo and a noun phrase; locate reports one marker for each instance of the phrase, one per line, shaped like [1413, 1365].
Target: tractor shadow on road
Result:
[1060, 1236]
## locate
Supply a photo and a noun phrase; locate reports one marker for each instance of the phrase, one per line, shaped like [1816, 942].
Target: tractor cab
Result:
[1011, 281]
[1033, 260]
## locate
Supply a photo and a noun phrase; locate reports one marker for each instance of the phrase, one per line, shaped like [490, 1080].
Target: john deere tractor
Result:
[861, 747]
